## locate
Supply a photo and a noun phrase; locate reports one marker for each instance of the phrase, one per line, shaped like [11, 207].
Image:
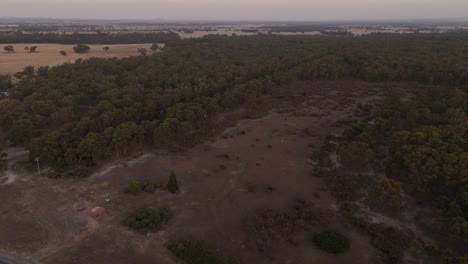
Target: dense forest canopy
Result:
[419, 139]
[56, 112]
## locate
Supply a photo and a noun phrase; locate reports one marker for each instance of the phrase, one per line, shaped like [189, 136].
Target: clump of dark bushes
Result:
[194, 253]
[331, 242]
[148, 219]
[148, 186]
[81, 48]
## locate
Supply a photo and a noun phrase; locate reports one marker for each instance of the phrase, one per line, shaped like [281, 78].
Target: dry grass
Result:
[49, 55]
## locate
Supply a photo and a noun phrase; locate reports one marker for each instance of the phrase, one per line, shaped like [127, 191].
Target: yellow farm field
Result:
[49, 55]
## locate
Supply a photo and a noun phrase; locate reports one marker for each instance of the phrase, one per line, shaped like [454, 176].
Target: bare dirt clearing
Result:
[259, 164]
[49, 55]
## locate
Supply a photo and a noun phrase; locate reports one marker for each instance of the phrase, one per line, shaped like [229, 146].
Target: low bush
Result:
[385, 196]
[134, 188]
[346, 186]
[391, 242]
[147, 219]
[150, 186]
[193, 253]
[331, 242]
[172, 185]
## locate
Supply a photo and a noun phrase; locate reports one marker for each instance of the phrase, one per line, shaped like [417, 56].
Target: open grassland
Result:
[49, 55]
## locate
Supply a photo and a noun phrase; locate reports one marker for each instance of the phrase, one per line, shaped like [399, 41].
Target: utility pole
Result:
[37, 162]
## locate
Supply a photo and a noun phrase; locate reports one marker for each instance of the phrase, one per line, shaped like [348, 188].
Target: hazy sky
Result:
[238, 9]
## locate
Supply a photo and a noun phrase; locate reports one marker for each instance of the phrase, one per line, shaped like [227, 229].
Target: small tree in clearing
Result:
[64, 53]
[154, 47]
[81, 48]
[172, 185]
[26, 49]
[33, 49]
[106, 49]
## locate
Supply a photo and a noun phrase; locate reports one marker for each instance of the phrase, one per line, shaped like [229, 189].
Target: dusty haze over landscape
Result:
[238, 10]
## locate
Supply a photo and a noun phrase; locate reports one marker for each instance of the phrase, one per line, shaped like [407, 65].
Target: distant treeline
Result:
[301, 28]
[323, 29]
[100, 38]
[38, 28]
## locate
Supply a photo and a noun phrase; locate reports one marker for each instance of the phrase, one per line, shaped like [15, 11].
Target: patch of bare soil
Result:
[248, 194]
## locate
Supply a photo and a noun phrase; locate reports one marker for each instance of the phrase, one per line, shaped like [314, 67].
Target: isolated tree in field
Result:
[142, 51]
[64, 53]
[26, 49]
[9, 48]
[154, 47]
[33, 49]
[106, 49]
[172, 185]
[81, 48]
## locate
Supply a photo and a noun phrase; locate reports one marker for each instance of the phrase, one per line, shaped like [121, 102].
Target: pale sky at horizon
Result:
[313, 10]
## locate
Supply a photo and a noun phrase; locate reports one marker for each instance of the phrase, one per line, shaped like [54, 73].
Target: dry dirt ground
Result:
[225, 182]
[49, 55]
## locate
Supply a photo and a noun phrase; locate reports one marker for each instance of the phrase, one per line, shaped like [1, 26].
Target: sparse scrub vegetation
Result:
[147, 186]
[385, 196]
[347, 186]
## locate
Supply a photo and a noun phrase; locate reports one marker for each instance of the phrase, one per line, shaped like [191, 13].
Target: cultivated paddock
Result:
[49, 55]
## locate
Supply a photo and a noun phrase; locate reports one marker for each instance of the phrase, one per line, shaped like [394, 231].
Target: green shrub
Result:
[134, 188]
[193, 253]
[172, 185]
[150, 186]
[331, 242]
[385, 196]
[391, 242]
[355, 154]
[147, 219]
